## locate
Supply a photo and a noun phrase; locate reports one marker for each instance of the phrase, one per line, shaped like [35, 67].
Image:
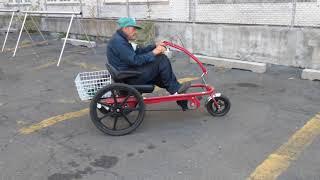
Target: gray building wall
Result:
[297, 47]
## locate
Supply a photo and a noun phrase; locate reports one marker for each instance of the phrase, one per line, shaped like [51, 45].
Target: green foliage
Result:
[86, 38]
[25, 42]
[33, 21]
[146, 35]
[31, 25]
[61, 35]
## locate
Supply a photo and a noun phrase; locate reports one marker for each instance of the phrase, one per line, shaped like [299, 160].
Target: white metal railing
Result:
[26, 13]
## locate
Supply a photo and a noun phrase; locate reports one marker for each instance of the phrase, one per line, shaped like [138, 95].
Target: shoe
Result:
[184, 103]
[184, 87]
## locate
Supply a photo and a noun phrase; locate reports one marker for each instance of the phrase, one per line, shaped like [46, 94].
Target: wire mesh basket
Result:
[88, 83]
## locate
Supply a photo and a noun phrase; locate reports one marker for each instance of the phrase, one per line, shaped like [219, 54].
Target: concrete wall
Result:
[5, 20]
[93, 27]
[298, 47]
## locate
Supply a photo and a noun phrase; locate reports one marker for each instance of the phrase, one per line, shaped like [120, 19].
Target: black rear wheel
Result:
[117, 109]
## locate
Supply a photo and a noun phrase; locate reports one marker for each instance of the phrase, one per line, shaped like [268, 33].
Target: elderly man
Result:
[155, 66]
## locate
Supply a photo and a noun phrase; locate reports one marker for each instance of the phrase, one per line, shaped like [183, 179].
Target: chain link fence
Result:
[253, 12]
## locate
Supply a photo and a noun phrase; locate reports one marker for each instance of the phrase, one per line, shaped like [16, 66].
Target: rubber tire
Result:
[100, 126]
[209, 105]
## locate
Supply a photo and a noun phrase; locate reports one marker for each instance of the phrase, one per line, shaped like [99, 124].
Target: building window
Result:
[248, 1]
[19, 2]
[63, 1]
[136, 1]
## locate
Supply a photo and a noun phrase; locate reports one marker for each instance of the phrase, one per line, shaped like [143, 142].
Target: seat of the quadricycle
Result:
[120, 76]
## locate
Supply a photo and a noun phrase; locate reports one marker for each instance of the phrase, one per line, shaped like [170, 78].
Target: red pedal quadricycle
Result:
[118, 108]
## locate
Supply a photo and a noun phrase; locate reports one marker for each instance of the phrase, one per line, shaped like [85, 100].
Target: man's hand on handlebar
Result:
[160, 49]
[160, 43]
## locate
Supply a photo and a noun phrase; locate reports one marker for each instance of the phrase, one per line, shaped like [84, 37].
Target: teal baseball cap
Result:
[128, 22]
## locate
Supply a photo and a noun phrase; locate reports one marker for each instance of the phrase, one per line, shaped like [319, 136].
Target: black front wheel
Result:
[221, 108]
[117, 109]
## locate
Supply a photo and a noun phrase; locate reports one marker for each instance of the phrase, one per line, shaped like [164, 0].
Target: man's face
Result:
[131, 32]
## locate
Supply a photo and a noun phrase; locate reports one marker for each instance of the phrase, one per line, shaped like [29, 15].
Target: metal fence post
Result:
[19, 5]
[45, 5]
[191, 10]
[293, 16]
[81, 8]
[98, 8]
[128, 8]
[193, 19]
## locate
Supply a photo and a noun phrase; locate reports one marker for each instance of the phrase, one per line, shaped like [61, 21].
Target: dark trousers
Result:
[158, 72]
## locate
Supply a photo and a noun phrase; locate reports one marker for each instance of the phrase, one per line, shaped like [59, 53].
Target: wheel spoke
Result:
[125, 100]
[104, 104]
[115, 123]
[221, 106]
[104, 116]
[114, 97]
[126, 118]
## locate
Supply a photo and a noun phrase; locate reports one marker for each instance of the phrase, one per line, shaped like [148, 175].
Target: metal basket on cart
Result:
[88, 83]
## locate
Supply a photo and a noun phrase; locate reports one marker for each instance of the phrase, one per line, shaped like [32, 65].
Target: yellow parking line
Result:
[188, 79]
[53, 120]
[182, 80]
[71, 115]
[45, 65]
[280, 160]
[84, 65]
[27, 44]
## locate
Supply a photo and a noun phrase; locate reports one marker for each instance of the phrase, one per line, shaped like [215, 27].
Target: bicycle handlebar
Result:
[204, 70]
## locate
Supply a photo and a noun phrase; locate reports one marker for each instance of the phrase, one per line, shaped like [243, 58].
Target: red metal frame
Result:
[176, 97]
[192, 97]
[204, 70]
